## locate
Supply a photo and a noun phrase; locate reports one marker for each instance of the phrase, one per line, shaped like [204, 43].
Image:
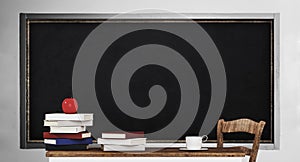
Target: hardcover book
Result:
[67, 129]
[63, 116]
[81, 135]
[123, 148]
[123, 135]
[65, 141]
[76, 147]
[132, 141]
[68, 123]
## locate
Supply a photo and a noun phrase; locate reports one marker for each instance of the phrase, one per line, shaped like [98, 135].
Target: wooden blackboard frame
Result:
[25, 20]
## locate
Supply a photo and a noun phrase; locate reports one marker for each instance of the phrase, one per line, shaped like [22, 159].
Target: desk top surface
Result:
[211, 152]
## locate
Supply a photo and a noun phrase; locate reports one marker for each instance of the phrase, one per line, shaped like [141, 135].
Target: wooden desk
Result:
[212, 154]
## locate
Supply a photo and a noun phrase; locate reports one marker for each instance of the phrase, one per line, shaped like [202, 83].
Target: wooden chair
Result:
[241, 125]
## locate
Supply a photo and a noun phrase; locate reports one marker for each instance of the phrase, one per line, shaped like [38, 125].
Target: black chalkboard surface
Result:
[49, 47]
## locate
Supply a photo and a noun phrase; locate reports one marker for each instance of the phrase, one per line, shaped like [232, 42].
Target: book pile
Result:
[123, 141]
[67, 131]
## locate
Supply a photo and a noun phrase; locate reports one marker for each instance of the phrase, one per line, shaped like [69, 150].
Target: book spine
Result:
[123, 135]
[66, 147]
[66, 123]
[111, 142]
[48, 135]
[62, 141]
[121, 141]
[67, 129]
[123, 148]
[113, 136]
[74, 117]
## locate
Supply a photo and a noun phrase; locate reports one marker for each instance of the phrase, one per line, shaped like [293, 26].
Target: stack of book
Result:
[67, 131]
[123, 141]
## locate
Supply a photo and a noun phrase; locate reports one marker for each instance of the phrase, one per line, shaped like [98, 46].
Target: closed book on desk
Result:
[67, 129]
[65, 141]
[66, 147]
[73, 117]
[132, 141]
[123, 135]
[81, 135]
[123, 148]
[68, 123]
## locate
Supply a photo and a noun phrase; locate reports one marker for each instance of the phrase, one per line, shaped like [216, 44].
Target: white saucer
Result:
[185, 149]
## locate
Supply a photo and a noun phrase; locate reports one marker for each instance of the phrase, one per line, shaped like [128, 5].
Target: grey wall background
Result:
[289, 58]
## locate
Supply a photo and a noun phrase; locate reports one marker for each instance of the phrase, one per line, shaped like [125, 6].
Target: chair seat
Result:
[246, 150]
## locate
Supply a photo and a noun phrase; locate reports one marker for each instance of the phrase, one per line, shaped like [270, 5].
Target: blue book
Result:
[66, 141]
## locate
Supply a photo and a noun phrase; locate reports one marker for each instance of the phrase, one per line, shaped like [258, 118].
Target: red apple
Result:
[69, 106]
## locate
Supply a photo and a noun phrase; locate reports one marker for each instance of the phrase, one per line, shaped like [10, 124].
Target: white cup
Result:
[195, 142]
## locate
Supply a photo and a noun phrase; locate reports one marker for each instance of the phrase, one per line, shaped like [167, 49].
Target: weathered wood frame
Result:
[24, 61]
[241, 125]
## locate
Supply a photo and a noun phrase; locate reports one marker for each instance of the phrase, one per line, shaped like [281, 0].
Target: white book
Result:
[132, 141]
[67, 129]
[67, 123]
[123, 135]
[123, 148]
[113, 135]
[63, 116]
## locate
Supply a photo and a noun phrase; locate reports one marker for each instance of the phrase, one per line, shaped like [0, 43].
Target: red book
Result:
[123, 135]
[81, 135]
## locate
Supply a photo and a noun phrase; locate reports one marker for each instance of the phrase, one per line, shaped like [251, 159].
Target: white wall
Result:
[289, 58]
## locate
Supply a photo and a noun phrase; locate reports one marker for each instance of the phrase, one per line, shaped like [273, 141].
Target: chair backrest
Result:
[241, 125]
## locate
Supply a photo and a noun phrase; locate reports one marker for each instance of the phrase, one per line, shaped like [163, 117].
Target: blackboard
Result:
[49, 47]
